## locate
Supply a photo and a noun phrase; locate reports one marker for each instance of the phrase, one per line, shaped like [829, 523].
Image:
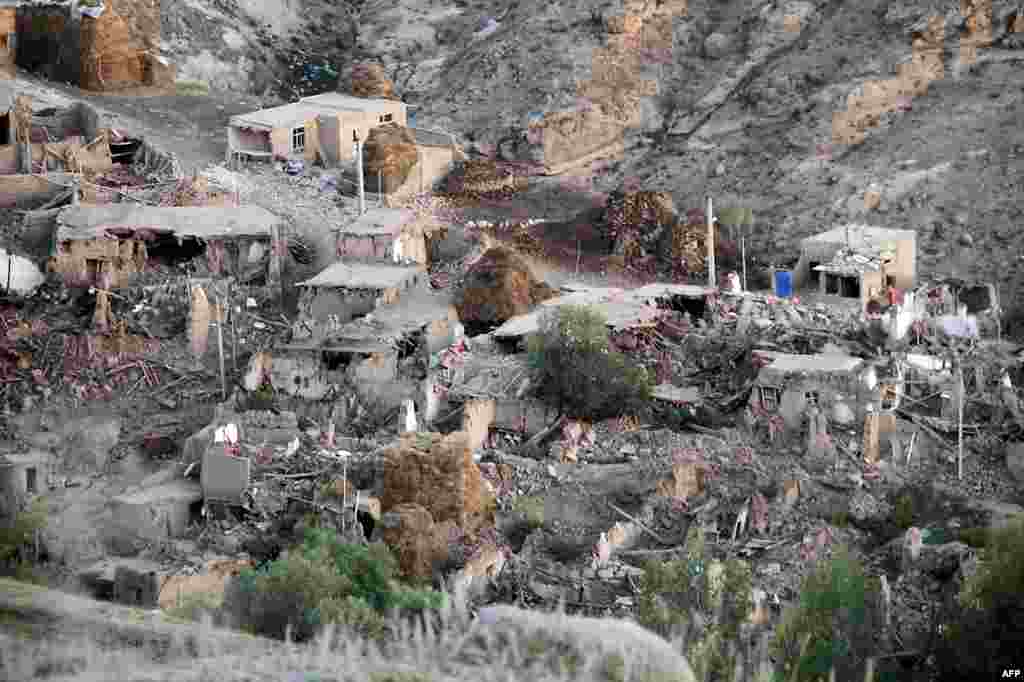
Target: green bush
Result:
[983, 633]
[578, 371]
[533, 507]
[706, 600]
[831, 626]
[19, 532]
[324, 581]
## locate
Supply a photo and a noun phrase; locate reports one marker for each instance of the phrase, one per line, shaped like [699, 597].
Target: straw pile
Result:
[369, 80]
[498, 287]
[390, 149]
[110, 59]
[437, 472]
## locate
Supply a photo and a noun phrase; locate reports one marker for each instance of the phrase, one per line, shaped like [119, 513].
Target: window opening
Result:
[850, 287]
[770, 397]
[831, 284]
[30, 480]
[298, 139]
[811, 397]
[814, 278]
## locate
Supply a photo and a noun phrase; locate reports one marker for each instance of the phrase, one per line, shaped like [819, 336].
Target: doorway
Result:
[31, 480]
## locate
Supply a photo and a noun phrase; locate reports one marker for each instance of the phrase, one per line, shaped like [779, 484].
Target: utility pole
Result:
[959, 418]
[711, 246]
[357, 152]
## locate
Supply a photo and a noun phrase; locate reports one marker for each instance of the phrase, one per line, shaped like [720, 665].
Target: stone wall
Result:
[143, 18]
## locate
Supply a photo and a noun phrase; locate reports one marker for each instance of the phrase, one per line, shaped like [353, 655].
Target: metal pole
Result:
[220, 349]
[743, 254]
[711, 246]
[380, 187]
[359, 173]
[234, 334]
[960, 420]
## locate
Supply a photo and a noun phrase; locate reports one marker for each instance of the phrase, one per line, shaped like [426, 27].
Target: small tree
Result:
[831, 626]
[986, 634]
[578, 371]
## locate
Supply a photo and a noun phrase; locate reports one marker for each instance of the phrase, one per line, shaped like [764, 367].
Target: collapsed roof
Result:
[121, 221]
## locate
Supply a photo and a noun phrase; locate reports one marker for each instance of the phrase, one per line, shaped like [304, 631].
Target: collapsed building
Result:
[109, 246]
[102, 46]
[857, 261]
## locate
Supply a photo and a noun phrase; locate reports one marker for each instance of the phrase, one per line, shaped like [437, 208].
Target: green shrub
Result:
[325, 581]
[903, 511]
[533, 507]
[192, 607]
[707, 600]
[577, 370]
[18, 533]
[831, 626]
[983, 633]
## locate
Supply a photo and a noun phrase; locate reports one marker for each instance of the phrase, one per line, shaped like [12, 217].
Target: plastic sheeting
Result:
[94, 12]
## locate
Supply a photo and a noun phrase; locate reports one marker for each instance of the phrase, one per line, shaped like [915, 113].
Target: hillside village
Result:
[330, 321]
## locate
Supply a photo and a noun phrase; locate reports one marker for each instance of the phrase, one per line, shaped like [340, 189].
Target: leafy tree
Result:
[984, 633]
[578, 371]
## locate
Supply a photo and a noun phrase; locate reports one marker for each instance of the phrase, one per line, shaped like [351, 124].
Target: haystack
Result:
[369, 80]
[437, 472]
[110, 58]
[390, 149]
[499, 286]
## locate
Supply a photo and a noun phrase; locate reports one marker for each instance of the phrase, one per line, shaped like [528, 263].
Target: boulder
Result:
[498, 286]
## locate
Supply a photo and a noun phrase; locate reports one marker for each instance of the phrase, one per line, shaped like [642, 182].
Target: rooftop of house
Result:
[787, 363]
[362, 276]
[337, 100]
[204, 222]
[624, 308]
[857, 233]
[850, 262]
[378, 222]
[676, 394]
[283, 116]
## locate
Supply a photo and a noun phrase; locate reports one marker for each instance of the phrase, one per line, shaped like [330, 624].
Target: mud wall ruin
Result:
[26, 191]
[107, 263]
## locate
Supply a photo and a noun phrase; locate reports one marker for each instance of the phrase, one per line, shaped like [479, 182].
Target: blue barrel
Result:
[783, 283]
[411, 116]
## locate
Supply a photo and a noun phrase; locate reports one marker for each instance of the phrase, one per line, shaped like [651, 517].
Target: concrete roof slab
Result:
[204, 222]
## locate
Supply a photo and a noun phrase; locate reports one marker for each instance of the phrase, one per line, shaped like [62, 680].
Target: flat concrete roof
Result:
[862, 234]
[27, 459]
[676, 394]
[337, 100]
[277, 117]
[787, 363]
[95, 222]
[362, 276]
[379, 221]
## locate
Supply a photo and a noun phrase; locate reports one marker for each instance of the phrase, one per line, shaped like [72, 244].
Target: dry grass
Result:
[534, 646]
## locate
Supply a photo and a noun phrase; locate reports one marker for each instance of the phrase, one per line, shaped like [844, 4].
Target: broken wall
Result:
[8, 159]
[88, 262]
[72, 157]
[830, 388]
[359, 246]
[477, 417]
[76, 120]
[110, 58]
[137, 586]
[224, 478]
[377, 368]
[318, 303]
[300, 374]
[143, 20]
[26, 191]
[48, 41]
[151, 515]
[524, 416]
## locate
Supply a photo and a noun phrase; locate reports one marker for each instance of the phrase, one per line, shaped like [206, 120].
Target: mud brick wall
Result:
[83, 262]
[143, 18]
[26, 191]
[48, 41]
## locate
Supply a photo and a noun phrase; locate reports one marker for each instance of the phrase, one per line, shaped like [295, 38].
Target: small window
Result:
[386, 118]
[770, 397]
[811, 397]
[31, 482]
[298, 139]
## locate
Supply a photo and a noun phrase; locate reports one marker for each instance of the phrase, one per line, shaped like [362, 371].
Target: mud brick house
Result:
[106, 46]
[383, 356]
[853, 260]
[346, 291]
[384, 234]
[8, 36]
[60, 139]
[312, 128]
[107, 246]
[788, 384]
[20, 477]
